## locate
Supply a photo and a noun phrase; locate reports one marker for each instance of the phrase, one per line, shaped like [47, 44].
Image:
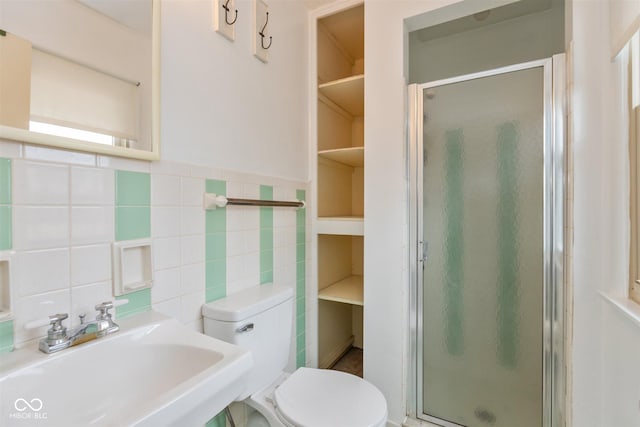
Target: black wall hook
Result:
[226, 14]
[262, 36]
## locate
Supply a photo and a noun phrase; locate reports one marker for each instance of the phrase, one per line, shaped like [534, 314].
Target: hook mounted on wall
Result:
[226, 14]
[260, 33]
[224, 18]
[262, 36]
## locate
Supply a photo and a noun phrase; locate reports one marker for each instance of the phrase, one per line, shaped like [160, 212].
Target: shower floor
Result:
[350, 362]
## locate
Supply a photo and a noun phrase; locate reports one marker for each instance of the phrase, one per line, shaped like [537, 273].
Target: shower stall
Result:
[487, 233]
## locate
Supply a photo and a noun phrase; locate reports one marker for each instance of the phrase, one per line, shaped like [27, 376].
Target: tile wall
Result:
[60, 212]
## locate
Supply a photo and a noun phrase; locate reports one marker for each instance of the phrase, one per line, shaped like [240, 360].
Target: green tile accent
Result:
[5, 181]
[133, 188]
[301, 256]
[508, 280]
[216, 273]
[133, 223]
[219, 420]
[133, 214]
[215, 293]
[5, 228]
[6, 336]
[454, 253]
[216, 220]
[139, 302]
[266, 236]
[216, 186]
[216, 246]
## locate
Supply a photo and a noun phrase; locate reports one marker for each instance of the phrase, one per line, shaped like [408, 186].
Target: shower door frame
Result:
[554, 184]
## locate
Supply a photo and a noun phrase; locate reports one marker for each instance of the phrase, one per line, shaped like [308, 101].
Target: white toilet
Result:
[260, 319]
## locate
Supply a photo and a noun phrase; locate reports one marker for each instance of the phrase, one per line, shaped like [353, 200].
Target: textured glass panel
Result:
[483, 225]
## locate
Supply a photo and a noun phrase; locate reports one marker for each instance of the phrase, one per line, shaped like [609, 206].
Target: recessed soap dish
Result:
[5, 285]
[132, 266]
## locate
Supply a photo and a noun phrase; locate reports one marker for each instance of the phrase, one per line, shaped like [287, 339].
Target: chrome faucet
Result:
[58, 337]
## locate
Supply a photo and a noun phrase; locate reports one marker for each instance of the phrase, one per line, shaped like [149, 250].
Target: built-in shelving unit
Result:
[340, 182]
[347, 290]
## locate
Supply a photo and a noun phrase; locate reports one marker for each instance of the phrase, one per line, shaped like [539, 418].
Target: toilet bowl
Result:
[260, 319]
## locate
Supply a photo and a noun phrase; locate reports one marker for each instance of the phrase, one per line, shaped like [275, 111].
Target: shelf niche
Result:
[340, 304]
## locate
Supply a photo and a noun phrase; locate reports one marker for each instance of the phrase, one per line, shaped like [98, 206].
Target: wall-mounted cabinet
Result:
[340, 182]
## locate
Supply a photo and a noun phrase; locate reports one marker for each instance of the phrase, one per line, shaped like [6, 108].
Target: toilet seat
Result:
[325, 398]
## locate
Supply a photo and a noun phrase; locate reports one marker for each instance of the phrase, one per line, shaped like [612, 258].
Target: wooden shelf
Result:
[347, 93]
[341, 225]
[352, 156]
[348, 291]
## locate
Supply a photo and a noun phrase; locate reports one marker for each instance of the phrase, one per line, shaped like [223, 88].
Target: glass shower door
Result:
[482, 230]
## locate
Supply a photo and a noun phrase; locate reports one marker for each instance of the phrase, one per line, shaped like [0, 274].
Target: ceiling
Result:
[135, 14]
[489, 17]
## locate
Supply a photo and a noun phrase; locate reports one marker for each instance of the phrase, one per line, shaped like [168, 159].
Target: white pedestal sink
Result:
[153, 372]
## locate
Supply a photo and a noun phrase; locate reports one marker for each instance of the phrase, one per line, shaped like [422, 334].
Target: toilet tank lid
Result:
[246, 303]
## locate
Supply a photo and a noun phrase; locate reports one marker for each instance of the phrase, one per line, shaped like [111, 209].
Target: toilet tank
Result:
[258, 319]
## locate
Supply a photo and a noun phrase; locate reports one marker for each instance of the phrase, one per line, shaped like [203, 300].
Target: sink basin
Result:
[153, 372]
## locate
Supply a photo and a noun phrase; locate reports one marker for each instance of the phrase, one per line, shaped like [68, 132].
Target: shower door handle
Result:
[423, 250]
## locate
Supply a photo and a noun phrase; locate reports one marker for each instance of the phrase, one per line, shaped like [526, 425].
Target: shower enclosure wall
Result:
[487, 165]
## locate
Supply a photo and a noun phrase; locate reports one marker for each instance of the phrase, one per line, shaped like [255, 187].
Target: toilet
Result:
[260, 319]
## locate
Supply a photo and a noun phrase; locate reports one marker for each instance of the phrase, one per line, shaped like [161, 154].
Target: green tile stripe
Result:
[454, 241]
[5, 205]
[301, 356]
[507, 318]
[216, 245]
[266, 236]
[6, 336]
[5, 181]
[132, 211]
[139, 302]
[219, 420]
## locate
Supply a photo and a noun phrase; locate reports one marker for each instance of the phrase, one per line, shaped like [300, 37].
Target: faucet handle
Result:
[55, 320]
[104, 308]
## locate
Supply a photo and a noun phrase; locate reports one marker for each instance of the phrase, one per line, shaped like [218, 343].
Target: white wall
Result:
[606, 381]
[221, 106]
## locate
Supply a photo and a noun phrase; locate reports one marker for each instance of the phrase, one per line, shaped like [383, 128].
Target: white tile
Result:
[235, 217]
[166, 285]
[193, 249]
[92, 224]
[284, 236]
[92, 186]
[192, 191]
[193, 278]
[235, 243]
[285, 217]
[170, 168]
[235, 268]
[10, 149]
[37, 152]
[166, 252]
[192, 306]
[165, 221]
[85, 298]
[171, 308]
[251, 240]
[196, 326]
[251, 219]
[235, 189]
[90, 264]
[41, 227]
[38, 307]
[42, 271]
[165, 190]
[251, 191]
[37, 183]
[193, 220]
[251, 266]
[123, 164]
